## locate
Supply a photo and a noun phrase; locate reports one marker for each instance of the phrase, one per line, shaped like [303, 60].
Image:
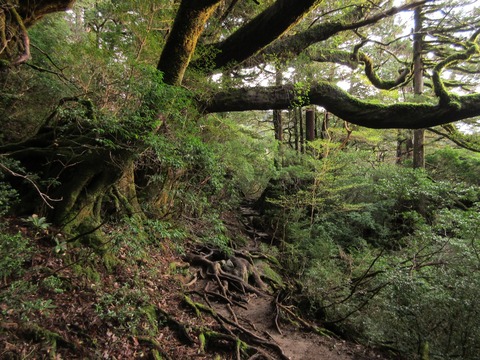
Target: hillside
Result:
[62, 302]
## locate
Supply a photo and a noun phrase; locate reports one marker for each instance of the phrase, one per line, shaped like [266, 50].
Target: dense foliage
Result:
[383, 251]
[111, 158]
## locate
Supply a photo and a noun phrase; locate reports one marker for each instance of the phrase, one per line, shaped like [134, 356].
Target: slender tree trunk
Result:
[418, 134]
[295, 130]
[301, 130]
[277, 114]
[325, 125]
[310, 121]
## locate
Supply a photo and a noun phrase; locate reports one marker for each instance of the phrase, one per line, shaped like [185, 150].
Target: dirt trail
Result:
[296, 343]
[255, 316]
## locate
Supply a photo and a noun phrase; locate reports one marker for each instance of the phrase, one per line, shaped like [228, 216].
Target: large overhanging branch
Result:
[345, 106]
[291, 46]
[15, 18]
[33, 10]
[266, 27]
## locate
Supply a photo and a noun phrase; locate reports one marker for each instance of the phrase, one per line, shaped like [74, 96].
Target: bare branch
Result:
[45, 198]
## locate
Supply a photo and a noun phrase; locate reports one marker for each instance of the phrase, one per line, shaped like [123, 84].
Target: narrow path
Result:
[250, 310]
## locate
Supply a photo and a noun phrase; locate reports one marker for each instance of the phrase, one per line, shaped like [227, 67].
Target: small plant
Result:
[60, 246]
[40, 224]
[19, 300]
[54, 284]
[122, 305]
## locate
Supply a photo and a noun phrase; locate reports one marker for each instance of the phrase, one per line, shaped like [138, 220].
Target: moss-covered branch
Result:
[255, 35]
[471, 48]
[291, 46]
[465, 141]
[353, 60]
[345, 106]
[187, 28]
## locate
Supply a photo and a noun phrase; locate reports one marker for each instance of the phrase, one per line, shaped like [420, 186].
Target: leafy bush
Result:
[387, 253]
[15, 250]
[455, 164]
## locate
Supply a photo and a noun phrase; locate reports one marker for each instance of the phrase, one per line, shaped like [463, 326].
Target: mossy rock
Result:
[268, 273]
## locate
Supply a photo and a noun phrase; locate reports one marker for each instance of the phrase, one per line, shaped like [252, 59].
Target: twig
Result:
[42, 195]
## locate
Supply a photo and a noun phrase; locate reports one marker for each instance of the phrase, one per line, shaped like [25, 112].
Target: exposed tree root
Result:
[181, 329]
[157, 351]
[232, 280]
[305, 324]
[232, 272]
[244, 338]
[39, 334]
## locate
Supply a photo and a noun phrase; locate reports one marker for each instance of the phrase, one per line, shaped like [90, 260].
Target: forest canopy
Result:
[249, 41]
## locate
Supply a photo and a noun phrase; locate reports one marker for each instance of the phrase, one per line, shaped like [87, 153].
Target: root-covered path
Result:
[236, 294]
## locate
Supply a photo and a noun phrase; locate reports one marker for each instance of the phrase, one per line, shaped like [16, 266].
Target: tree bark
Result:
[310, 120]
[277, 114]
[418, 134]
[188, 25]
[266, 27]
[78, 170]
[33, 10]
[15, 18]
[347, 107]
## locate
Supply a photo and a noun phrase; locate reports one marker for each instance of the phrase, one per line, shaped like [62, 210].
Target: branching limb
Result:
[452, 134]
[47, 200]
[472, 48]
[291, 46]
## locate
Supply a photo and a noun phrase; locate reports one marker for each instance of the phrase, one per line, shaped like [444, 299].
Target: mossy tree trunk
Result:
[77, 174]
[187, 28]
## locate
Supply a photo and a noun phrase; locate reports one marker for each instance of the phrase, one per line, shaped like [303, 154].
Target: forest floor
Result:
[155, 304]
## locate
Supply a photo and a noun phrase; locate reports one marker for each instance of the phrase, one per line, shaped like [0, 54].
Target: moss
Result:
[156, 355]
[110, 261]
[241, 345]
[424, 351]
[203, 342]
[38, 333]
[270, 274]
[192, 304]
[4, 64]
[89, 272]
[150, 312]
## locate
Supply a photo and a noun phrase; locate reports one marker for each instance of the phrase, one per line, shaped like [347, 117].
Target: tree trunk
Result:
[324, 134]
[188, 25]
[295, 130]
[277, 114]
[301, 129]
[418, 134]
[79, 173]
[310, 120]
